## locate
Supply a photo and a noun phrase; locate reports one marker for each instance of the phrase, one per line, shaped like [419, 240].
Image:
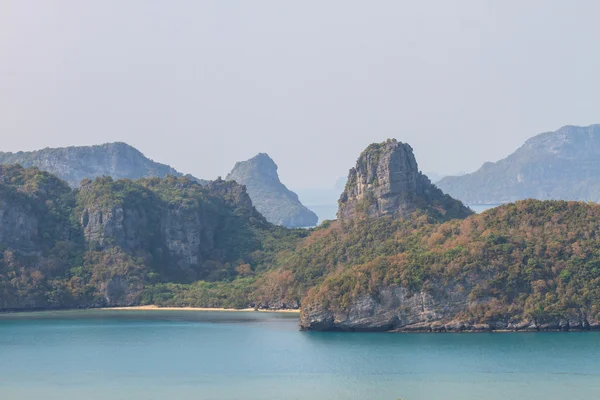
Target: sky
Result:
[200, 85]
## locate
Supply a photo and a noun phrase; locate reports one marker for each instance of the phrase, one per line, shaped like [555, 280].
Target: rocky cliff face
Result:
[32, 209]
[236, 196]
[73, 164]
[391, 308]
[102, 244]
[529, 266]
[271, 198]
[386, 181]
[176, 222]
[398, 309]
[399, 271]
[18, 226]
[559, 165]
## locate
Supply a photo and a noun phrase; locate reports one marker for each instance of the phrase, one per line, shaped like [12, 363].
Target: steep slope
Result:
[403, 256]
[73, 164]
[38, 239]
[553, 165]
[533, 265]
[270, 197]
[185, 231]
[112, 242]
[386, 180]
[391, 263]
[385, 196]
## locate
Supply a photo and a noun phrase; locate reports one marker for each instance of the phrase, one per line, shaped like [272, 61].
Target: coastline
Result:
[157, 308]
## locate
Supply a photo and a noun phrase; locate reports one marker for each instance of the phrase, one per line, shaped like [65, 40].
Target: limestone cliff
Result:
[532, 266]
[18, 226]
[386, 267]
[236, 196]
[398, 309]
[36, 234]
[73, 164]
[386, 181]
[271, 198]
[104, 243]
[182, 226]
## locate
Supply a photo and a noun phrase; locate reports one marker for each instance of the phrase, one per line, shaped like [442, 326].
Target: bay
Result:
[105, 354]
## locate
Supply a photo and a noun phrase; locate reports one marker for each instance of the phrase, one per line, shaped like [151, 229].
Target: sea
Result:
[181, 355]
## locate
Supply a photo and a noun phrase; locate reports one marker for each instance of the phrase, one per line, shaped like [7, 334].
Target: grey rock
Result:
[117, 226]
[235, 195]
[18, 226]
[273, 199]
[397, 309]
[391, 308]
[179, 234]
[560, 165]
[386, 181]
[74, 164]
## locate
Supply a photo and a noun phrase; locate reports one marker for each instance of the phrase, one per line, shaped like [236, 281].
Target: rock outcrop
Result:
[236, 196]
[18, 226]
[102, 244]
[397, 309]
[386, 181]
[277, 203]
[529, 266]
[30, 213]
[73, 164]
[178, 223]
[397, 260]
[561, 165]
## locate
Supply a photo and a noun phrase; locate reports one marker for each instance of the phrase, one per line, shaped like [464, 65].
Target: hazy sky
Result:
[200, 85]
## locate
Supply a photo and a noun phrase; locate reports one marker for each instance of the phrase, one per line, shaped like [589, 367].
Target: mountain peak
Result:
[386, 181]
[259, 164]
[263, 157]
[272, 198]
[75, 163]
[559, 165]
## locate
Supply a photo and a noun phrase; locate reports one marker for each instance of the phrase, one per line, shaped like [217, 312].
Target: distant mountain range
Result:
[73, 164]
[562, 165]
[120, 160]
[403, 255]
[271, 198]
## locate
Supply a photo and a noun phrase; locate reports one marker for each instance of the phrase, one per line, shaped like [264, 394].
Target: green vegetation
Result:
[532, 259]
[235, 294]
[172, 242]
[122, 242]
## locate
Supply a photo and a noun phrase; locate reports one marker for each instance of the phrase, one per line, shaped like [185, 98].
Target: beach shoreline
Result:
[157, 308]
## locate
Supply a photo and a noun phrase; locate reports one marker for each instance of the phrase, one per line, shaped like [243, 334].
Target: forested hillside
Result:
[529, 265]
[109, 241]
[403, 256]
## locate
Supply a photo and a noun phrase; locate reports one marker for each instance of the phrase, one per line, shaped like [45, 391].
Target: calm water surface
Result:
[134, 355]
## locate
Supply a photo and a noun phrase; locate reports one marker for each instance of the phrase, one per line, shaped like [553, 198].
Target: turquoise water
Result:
[133, 355]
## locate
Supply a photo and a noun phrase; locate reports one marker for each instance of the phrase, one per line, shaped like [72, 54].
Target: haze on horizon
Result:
[201, 85]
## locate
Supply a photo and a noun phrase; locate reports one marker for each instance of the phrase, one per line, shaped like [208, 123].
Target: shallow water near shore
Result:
[104, 354]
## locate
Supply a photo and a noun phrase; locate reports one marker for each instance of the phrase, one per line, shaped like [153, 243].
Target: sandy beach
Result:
[152, 307]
